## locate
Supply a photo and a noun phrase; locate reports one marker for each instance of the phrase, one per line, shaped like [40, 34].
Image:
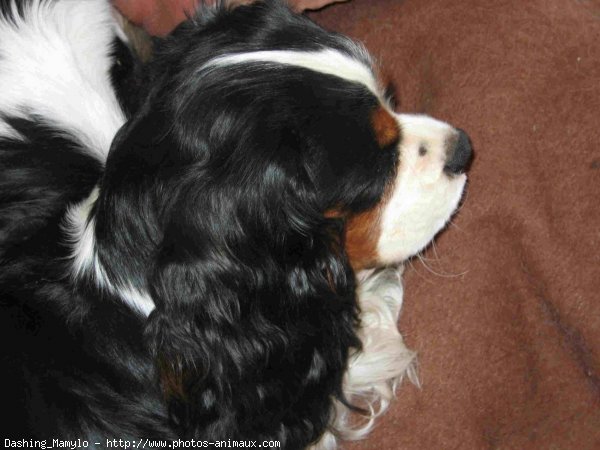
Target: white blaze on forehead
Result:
[327, 61]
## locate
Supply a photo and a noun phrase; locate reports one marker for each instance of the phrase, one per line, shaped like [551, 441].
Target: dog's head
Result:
[264, 166]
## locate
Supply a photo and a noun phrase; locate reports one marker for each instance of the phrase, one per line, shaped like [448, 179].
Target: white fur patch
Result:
[137, 299]
[374, 372]
[55, 63]
[327, 61]
[81, 231]
[424, 197]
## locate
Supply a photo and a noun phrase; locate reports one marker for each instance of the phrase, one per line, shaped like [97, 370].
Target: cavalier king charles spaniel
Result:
[187, 245]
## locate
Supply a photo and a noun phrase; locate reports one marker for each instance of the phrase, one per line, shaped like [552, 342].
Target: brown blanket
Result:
[505, 314]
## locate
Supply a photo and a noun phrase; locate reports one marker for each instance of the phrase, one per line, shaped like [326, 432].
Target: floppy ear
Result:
[255, 307]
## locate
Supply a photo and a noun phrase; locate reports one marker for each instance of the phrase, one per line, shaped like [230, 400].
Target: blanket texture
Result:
[504, 312]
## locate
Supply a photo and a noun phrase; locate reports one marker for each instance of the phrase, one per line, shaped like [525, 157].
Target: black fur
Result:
[212, 201]
[127, 76]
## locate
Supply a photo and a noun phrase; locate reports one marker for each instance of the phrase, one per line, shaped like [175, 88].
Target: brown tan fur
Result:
[363, 230]
[362, 234]
[386, 128]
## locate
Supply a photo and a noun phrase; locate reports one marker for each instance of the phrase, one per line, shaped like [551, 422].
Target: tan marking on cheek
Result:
[385, 127]
[362, 235]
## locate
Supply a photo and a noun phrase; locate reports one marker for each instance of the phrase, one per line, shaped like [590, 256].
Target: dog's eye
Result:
[390, 94]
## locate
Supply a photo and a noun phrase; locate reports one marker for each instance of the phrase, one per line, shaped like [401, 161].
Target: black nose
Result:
[459, 155]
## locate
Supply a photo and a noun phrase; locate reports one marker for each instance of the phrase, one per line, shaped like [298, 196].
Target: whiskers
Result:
[434, 258]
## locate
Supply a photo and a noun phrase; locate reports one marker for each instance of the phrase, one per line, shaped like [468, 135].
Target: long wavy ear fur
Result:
[252, 330]
[255, 302]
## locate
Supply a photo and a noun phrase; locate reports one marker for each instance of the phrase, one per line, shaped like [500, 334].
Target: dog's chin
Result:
[419, 219]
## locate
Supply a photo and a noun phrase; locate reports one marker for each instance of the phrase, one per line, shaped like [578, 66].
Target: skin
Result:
[159, 17]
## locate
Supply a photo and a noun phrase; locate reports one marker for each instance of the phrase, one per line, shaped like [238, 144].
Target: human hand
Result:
[159, 17]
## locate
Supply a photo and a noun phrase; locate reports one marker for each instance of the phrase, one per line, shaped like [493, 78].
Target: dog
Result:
[192, 256]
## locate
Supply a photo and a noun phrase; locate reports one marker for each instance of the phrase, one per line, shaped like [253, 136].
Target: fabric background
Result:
[507, 329]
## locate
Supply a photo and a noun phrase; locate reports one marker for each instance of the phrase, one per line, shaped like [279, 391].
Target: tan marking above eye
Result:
[385, 126]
